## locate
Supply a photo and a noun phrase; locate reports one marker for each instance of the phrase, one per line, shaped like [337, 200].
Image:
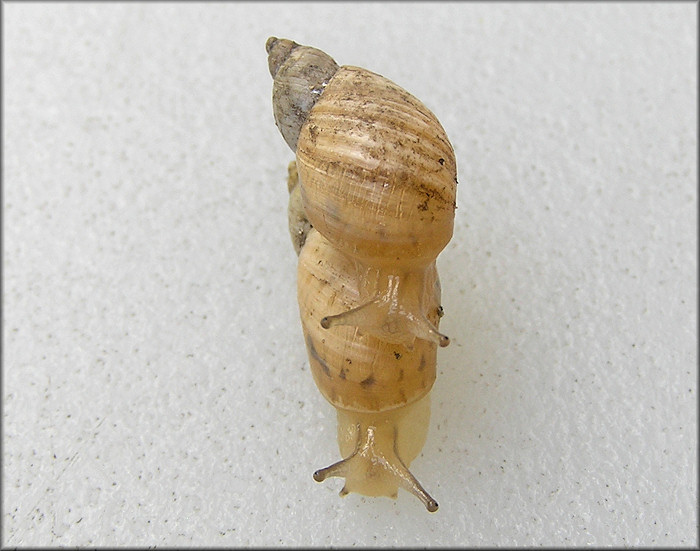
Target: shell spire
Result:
[300, 75]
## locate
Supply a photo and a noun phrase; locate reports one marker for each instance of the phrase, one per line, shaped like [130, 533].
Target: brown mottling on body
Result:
[314, 354]
[369, 381]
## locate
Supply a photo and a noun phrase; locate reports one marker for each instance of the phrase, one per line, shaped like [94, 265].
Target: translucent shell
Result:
[354, 369]
[378, 172]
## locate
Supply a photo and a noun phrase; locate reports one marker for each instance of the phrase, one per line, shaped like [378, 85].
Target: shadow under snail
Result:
[372, 202]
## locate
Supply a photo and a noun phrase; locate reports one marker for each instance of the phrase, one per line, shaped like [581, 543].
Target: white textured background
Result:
[155, 387]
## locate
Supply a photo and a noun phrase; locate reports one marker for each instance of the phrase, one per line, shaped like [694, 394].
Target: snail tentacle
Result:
[395, 311]
[373, 459]
[394, 325]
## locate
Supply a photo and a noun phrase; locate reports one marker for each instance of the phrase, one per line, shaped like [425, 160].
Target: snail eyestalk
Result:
[400, 327]
[375, 466]
[395, 313]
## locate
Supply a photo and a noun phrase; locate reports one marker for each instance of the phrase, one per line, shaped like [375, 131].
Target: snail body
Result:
[372, 200]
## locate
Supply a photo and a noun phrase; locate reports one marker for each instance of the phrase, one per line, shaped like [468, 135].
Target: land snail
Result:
[372, 202]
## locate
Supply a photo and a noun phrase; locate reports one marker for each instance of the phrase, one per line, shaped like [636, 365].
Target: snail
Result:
[372, 196]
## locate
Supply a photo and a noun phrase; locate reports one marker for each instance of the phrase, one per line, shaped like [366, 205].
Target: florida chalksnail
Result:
[372, 201]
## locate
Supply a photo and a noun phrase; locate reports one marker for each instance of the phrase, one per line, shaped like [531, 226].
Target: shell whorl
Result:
[354, 369]
[300, 75]
[378, 173]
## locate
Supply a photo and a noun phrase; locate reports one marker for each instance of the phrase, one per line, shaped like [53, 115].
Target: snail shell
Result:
[372, 200]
